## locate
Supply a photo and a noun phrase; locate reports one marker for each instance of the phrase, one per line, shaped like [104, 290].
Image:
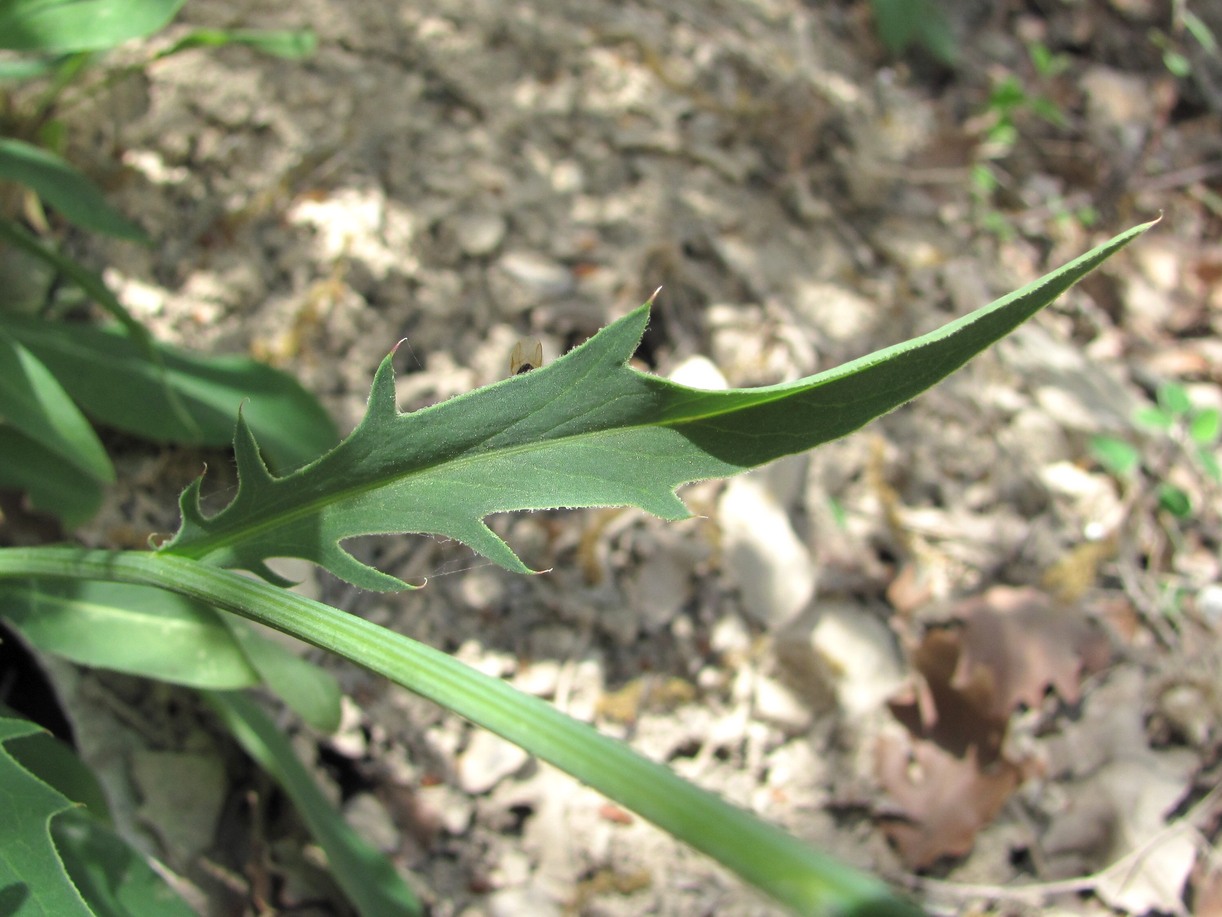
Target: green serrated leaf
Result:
[80, 25]
[110, 875]
[585, 431]
[32, 876]
[57, 765]
[64, 189]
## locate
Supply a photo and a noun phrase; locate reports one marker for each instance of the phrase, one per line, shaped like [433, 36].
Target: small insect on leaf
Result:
[523, 360]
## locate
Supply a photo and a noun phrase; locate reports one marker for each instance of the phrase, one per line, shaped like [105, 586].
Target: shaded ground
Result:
[950, 644]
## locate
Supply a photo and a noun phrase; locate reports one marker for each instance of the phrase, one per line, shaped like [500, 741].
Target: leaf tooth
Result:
[664, 503]
[250, 461]
[189, 506]
[342, 564]
[476, 535]
[383, 402]
[260, 569]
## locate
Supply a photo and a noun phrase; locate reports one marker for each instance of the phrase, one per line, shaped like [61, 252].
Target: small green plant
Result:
[586, 430]
[1187, 29]
[1010, 100]
[1180, 435]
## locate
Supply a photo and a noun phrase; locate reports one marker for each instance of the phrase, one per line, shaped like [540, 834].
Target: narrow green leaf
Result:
[803, 879]
[53, 484]
[32, 876]
[366, 876]
[80, 25]
[157, 634]
[129, 629]
[585, 431]
[64, 189]
[309, 691]
[32, 401]
[175, 396]
[291, 45]
[1199, 30]
[87, 280]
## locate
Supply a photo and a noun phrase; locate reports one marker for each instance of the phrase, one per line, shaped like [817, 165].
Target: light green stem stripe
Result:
[765, 856]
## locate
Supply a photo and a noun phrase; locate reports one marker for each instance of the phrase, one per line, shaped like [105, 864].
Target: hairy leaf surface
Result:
[585, 431]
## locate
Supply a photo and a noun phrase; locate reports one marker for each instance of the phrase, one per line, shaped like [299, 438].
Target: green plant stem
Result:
[765, 856]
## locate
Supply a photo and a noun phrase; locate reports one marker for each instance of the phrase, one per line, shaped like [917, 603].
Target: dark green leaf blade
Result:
[157, 634]
[130, 629]
[32, 401]
[64, 189]
[32, 876]
[54, 485]
[57, 765]
[90, 282]
[116, 381]
[80, 25]
[585, 431]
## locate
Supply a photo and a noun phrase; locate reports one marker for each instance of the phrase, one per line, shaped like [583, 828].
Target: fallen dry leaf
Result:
[1012, 647]
[941, 801]
[1028, 643]
[956, 715]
